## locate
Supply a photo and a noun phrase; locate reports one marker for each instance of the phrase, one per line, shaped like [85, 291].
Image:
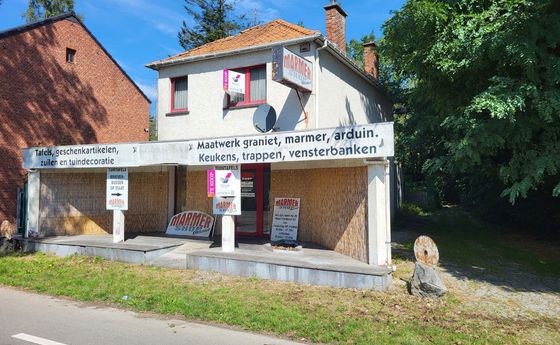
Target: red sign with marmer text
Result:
[191, 223]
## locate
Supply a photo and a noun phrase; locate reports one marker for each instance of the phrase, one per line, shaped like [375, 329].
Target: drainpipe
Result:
[317, 81]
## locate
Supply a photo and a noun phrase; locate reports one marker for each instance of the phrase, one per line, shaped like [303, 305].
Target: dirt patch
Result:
[488, 280]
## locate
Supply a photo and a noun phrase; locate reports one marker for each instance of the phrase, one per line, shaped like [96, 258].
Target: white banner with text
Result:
[345, 142]
[364, 141]
[81, 156]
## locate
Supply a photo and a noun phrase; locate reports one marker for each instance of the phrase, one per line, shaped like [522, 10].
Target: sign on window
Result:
[234, 82]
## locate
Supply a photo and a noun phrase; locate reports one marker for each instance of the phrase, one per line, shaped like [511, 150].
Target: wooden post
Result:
[118, 226]
[228, 234]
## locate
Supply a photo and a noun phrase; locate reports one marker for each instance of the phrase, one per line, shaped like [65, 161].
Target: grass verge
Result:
[318, 314]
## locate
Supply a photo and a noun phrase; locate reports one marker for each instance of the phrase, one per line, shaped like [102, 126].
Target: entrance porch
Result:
[252, 258]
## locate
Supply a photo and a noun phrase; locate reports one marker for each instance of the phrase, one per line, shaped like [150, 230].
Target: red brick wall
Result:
[371, 60]
[46, 101]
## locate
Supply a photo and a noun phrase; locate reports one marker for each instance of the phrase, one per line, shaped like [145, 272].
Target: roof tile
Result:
[274, 31]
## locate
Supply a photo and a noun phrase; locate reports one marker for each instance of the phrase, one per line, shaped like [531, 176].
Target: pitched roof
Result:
[275, 31]
[261, 37]
[72, 17]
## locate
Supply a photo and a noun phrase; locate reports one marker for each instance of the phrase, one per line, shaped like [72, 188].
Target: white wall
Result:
[206, 100]
[345, 98]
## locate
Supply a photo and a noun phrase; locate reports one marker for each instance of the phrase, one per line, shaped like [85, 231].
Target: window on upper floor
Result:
[179, 94]
[255, 87]
[70, 55]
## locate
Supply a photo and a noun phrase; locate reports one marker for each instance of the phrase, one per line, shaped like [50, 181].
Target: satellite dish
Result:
[264, 118]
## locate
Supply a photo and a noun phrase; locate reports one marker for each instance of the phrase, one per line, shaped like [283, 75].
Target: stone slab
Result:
[309, 266]
[301, 275]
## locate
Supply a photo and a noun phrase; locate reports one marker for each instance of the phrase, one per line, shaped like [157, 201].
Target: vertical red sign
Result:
[226, 80]
[211, 183]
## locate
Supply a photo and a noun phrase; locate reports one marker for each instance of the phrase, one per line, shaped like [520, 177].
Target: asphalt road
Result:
[27, 318]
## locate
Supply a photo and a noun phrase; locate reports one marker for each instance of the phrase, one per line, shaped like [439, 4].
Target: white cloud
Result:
[164, 27]
[149, 90]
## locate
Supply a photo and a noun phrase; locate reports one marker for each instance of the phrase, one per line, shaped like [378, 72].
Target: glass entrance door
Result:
[255, 190]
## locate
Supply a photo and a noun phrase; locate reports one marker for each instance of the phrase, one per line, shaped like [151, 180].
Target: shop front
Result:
[339, 175]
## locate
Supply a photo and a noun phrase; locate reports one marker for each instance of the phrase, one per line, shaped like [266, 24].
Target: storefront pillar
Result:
[171, 193]
[33, 196]
[379, 213]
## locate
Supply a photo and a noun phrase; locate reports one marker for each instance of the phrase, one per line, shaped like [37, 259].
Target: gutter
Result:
[317, 51]
[158, 64]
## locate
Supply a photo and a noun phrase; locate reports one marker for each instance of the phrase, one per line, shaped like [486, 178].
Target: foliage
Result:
[409, 209]
[214, 19]
[42, 9]
[481, 82]
[152, 130]
[356, 48]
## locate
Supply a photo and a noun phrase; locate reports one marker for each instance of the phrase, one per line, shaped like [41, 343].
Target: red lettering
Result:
[187, 219]
[287, 202]
[196, 219]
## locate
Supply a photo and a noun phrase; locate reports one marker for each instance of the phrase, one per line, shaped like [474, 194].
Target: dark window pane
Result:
[258, 83]
[180, 93]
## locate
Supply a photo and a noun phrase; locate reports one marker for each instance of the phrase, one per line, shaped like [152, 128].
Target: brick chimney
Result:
[371, 60]
[336, 25]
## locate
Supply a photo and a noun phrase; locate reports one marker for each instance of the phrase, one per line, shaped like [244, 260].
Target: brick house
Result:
[59, 86]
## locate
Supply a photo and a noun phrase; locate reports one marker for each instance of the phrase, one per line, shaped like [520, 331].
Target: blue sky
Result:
[136, 32]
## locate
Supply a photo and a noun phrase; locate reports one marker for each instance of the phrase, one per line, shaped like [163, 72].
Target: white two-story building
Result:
[192, 103]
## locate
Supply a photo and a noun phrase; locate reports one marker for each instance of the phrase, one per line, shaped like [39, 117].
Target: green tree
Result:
[214, 19]
[481, 80]
[42, 9]
[153, 135]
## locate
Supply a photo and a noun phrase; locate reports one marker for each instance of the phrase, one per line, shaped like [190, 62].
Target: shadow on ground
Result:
[470, 249]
